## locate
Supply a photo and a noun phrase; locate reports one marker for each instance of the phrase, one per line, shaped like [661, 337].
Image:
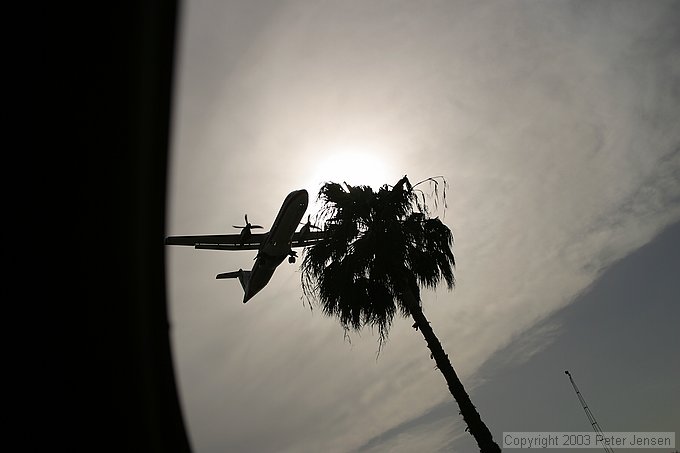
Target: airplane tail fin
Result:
[243, 277]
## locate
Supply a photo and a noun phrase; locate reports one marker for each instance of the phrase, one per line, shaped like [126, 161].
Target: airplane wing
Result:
[218, 241]
[233, 241]
[307, 239]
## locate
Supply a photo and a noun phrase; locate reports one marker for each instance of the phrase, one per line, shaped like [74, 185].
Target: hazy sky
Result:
[555, 124]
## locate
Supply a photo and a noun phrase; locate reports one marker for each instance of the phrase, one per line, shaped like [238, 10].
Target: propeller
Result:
[248, 226]
[245, 230]
[306, 227]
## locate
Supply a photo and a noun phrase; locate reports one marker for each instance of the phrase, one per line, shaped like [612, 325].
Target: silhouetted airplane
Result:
[272, 247]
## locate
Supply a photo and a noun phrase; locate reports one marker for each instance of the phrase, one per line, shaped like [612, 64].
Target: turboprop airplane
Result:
[272, 247]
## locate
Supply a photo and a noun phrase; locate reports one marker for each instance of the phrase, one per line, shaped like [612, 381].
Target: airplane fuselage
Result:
[277, 245]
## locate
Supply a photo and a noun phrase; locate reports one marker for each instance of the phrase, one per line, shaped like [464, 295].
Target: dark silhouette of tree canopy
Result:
[379, 249]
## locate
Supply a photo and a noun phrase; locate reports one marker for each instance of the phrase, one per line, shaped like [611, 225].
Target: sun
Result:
[355, 165]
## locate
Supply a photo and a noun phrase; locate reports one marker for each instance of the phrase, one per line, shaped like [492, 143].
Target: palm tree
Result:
[379, 248]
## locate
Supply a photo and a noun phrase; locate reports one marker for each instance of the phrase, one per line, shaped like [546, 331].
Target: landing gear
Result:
[291, 256]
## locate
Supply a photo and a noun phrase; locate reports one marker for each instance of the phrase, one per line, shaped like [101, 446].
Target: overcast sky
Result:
[555, 124]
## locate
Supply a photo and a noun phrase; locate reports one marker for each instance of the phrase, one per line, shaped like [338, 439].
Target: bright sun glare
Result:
[354, 165]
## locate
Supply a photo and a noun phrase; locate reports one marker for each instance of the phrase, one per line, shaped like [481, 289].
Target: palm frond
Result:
[378, 246]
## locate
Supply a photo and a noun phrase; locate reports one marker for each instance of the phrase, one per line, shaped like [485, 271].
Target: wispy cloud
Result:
[554, 123]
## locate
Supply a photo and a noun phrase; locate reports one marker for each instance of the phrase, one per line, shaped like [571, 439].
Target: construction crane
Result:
[589, 413]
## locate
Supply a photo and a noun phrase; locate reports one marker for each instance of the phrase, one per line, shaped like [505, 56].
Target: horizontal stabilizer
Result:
[234, 274]
[243, 277]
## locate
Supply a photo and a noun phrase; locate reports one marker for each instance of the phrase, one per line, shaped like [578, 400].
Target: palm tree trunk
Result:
[474, 422]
